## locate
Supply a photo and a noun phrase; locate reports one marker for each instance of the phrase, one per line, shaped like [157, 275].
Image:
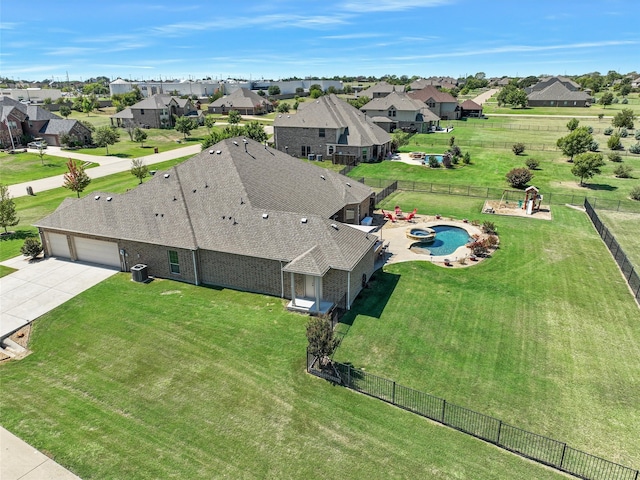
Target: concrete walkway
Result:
[20, 461]
[108, 166]
[483, 97]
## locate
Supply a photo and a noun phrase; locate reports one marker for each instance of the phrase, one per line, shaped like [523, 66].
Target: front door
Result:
[309, 286]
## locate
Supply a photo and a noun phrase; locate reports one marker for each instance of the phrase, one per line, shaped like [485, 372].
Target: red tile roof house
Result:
[443, 104]
[244, 101]
[238, 215]
[19, 122]
[330, 127]
[157, 111]
[398, 110]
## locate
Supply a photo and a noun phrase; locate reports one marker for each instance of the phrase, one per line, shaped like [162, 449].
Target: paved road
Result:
[483, 97]
[108, 166]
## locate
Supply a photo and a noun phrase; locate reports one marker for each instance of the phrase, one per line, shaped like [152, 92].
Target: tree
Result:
[105, 136]
[517, 98]
[322, 343]
[209, 122]
[8, 216]
[623, 171]
[573, 124]
[139, 169]
[519, 177]
[614, 142]
[261, 93]
[576, 142]
[273, 90]
[624, 119]
[65, 111]
[518, 148]
[88, 104]
[41, 153]
[76, 179]
[31, 247]
[139, 136]
[283, 108]
[532, 163]
[606, 99]
[184, 125]
[234, 117]
[586, 165]
[255, 131]
[634, 194]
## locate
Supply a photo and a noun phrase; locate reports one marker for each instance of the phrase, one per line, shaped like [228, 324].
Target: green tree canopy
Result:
[573, 124]
[606, 99]
[88, 104]
[76, 179]
[184, 125]
[8, 215]
[139, 136]
[624, 119]
[273, 90]
[105, 136]
[65, 111]
[255, 131]
[209, 122]
[322, 342]
[586, 165]
[576, 142]
[234, 117]
[139, 169]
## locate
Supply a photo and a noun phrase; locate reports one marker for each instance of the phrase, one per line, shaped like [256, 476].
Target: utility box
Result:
[319, 157]
[311, 156]
[139, 273]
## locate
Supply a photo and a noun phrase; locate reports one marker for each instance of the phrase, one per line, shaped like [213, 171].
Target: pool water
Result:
[438, 157]
[448, 240]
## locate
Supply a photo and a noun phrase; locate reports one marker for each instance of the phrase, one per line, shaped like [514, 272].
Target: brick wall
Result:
[156, 257]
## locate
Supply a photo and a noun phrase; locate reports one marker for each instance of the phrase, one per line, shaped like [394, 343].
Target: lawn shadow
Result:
[600, 186]
[371, 301]
[119, 155]
[17, 235]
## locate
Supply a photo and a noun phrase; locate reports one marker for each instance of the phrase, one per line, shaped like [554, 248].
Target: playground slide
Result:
[529, 207]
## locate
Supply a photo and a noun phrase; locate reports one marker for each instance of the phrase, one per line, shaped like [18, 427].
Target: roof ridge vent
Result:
[303, 220]
[322, 177]
[348, 184]
[109, 199]
[218, 152]
[265, 216]
[97, 197]
[333, 225]
[235, 143]
[166, 175]
[210, 152]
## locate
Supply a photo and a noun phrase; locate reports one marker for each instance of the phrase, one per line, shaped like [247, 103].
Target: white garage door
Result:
[58, 245]
[97, 251]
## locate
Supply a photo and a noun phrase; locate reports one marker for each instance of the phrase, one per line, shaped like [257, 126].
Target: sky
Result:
[274, 39]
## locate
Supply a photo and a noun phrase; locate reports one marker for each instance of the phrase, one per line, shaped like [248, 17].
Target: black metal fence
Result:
[497, 193]
[385, 192]
[536, 447]
[628, 270]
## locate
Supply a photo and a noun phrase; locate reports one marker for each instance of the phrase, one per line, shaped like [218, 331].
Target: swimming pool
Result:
[448, 240]
[437, 155]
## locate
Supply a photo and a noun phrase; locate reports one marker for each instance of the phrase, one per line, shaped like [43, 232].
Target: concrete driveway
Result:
[40, 286]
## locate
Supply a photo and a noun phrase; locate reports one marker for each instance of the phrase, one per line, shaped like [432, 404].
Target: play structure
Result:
[530, 204]
[421, 234]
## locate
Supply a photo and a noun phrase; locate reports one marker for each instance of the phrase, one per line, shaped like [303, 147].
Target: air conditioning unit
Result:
[139, 273]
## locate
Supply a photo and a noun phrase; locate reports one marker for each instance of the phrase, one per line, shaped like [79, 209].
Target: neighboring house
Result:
[398, 110]
[381, 89]
[19, 122]
[548, 81]
[441, 82]
[156, 111]
[558, 94]
[469, 108]
[244, 101]
[237, 215]
[635, 83]
[443, 104]
[329, 126]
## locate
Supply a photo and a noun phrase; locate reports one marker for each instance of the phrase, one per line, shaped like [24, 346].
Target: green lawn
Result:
[545, 335]
[6, 270]
[32, 208]
[177, 381]
[23, 167]
[626, 228]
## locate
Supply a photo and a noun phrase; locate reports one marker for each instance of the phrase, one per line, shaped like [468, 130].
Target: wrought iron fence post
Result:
[393, 393]
[499, 431]
[564, 449]
[349, 376]
[444, 406]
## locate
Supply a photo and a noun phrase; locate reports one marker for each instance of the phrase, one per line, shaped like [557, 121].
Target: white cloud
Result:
[353, 36]
[367, 6]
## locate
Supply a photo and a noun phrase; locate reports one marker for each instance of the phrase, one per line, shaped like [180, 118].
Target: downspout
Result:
[195, 267]
[348, 289]
[281, 281]
[317, 292]
[293, 290]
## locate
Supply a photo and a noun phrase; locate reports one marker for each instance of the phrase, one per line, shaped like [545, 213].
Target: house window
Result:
[391, 113]
[12, 124]
[431, 104]
[306, 150]
[142, 111]
[330, 150]
[321, 132]
[174, 262]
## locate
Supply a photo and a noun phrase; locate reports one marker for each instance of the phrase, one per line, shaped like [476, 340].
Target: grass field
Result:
[177, 381]
[23, 167]
[32, 208]
[545, 335]
[626, 228]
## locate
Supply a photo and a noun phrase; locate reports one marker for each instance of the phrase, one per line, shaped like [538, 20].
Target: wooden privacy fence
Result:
[536, 447]
[629, 272]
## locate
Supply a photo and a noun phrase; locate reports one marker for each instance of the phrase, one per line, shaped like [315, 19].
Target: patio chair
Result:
[389, 216]
[409, 217]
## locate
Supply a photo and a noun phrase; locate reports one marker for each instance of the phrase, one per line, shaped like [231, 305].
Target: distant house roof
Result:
[59, 126]
[329, 111]
[158, 101]
[34, 112]
[547, 81]
[251, 201]
[557, 91]
[381, 88]
[470, 105]
[431, 92]
[125, 114]
[240, 98]
[401, 102]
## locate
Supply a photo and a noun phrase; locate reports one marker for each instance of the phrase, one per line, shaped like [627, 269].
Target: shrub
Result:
[637, 135]
[624, 101]
[455, 150]
[492, 241]
[615, 100]
[622, 171]
[433, 162]
[478, 247]
[532, 163]
[519, 177]
[635, 148]
[466, 159]
[608, 130]
[590, 129]
[614, 142]
[518, 148]
[31, 247]
[635, 193]
[624, 133]
[615, 157]
[452, 141]
[489, 227]
[594, 146]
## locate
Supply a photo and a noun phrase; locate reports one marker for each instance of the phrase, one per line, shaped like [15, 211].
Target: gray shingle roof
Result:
[432, 92]
[240, 98]
[558, 92]
[154, 102]
[219, 201]
[401, 102]
[34, 112]
[329, 111]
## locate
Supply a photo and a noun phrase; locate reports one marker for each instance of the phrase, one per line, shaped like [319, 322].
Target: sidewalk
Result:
[20, 461]
[108, 166]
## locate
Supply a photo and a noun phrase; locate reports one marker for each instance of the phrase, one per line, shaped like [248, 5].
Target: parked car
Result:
[37, 145]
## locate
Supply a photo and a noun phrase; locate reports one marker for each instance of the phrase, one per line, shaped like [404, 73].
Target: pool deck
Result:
[398, 250]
